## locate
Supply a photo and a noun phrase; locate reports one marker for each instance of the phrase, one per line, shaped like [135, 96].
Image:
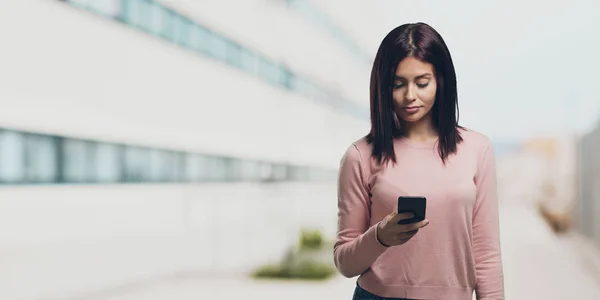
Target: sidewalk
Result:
[537, 265]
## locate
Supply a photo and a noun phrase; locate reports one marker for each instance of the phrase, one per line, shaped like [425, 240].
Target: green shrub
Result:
[305, 270]
[308, 260]
[311, 239]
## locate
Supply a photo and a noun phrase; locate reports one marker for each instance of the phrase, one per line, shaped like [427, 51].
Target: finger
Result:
[404, 236]
[414, 226]
[403, 216]
[412, 232]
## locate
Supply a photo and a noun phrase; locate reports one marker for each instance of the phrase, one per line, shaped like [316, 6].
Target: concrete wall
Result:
[588, 180]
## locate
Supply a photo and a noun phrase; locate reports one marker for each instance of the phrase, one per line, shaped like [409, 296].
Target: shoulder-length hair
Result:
[424, 43]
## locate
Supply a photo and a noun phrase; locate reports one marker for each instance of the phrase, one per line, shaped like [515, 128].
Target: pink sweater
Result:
[456, 254]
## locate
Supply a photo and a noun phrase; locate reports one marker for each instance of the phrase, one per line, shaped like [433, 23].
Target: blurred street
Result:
[538, 265]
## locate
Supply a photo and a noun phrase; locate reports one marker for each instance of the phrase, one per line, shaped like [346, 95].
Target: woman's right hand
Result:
[390, 233]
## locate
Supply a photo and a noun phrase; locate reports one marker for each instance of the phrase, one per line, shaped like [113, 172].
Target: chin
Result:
[412, 118]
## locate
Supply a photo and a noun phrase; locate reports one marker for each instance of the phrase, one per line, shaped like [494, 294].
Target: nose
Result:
[410, 93]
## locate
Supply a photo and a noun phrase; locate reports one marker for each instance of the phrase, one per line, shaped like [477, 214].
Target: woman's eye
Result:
[398, 85]
[422, 85]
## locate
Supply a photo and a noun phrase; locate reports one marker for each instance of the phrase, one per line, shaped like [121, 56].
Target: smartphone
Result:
[415, 204]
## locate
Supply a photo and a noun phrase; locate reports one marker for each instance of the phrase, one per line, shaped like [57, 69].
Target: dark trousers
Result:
[362, 294]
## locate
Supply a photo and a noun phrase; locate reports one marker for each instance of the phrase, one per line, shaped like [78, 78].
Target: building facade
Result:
[138, 136]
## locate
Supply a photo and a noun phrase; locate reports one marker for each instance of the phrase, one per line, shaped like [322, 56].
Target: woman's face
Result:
[414, 90]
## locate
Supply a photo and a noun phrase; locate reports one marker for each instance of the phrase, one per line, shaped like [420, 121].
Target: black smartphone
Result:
[415, 204]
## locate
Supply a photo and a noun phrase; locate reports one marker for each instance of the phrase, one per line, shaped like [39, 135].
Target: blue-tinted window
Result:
[156, 19]
[181, 30]
[137, 164]
[42, 158]
[297, 173]
[199, 39]
[265, 171]
[159, 19]
[12, 158]
[279, 172]
[218, 168]
[139, 13]
[108, 162]
[196, 168]
[109, 8]
[37, 158]
[218, 47]
[249, 61]
[76, 156]
[269, 71]
[234, 55]
[249, 170]
[164, 166]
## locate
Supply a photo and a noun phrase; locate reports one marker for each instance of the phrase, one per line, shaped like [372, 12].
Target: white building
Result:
[140, 138]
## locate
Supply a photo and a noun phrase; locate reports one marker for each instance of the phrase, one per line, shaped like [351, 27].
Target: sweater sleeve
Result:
[356, 247]
[486, 231]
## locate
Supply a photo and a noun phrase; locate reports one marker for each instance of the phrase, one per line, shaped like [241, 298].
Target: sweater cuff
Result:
[373, 241]
[378, 241]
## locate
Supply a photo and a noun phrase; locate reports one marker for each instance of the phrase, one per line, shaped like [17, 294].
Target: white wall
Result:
[67, 72]
[286, 35]
[69, 240]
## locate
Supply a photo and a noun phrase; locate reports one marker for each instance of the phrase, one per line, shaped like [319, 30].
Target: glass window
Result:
[269, 71]
[158, 19]
[12, 160]
[284, 77]
[279, 172]
[250, 170]
[298, 173]
[266, 171]
[249, 61]
[181, 30]
[199, 39]
[234, 53]
[196, 168]
[108, 167]
[234, 169]
[80, 3]
[42, 158]
[137, 164]
[218, 169]
[109, 8]
[76, 155]
[139, 13]
[218, 47]
[163, 166]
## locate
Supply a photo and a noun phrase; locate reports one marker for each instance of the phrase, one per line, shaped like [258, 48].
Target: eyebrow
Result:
[418, 77]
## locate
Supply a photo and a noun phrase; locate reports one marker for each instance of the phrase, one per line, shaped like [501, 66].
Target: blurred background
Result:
[172, 149]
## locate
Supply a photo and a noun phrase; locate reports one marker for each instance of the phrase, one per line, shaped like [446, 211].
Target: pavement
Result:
[537, 265]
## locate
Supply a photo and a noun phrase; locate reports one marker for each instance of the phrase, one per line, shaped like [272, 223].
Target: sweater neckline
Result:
[419, 145]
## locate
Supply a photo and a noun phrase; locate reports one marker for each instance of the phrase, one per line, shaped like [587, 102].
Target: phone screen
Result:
[416, 204]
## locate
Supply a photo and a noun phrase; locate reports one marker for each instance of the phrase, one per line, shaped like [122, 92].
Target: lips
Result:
[411, 109]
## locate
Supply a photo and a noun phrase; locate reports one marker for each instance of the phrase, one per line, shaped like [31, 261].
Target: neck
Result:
[421, 131]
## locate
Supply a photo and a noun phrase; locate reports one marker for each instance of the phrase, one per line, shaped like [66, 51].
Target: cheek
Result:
[398, 98]
[428, 96]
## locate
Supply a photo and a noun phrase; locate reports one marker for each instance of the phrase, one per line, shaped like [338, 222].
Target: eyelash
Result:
[397, 86]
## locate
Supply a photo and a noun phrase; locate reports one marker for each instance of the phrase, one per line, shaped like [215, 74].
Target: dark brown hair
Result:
[422, 42]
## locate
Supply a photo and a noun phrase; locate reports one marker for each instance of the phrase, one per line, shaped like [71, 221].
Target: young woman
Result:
[416, 148]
